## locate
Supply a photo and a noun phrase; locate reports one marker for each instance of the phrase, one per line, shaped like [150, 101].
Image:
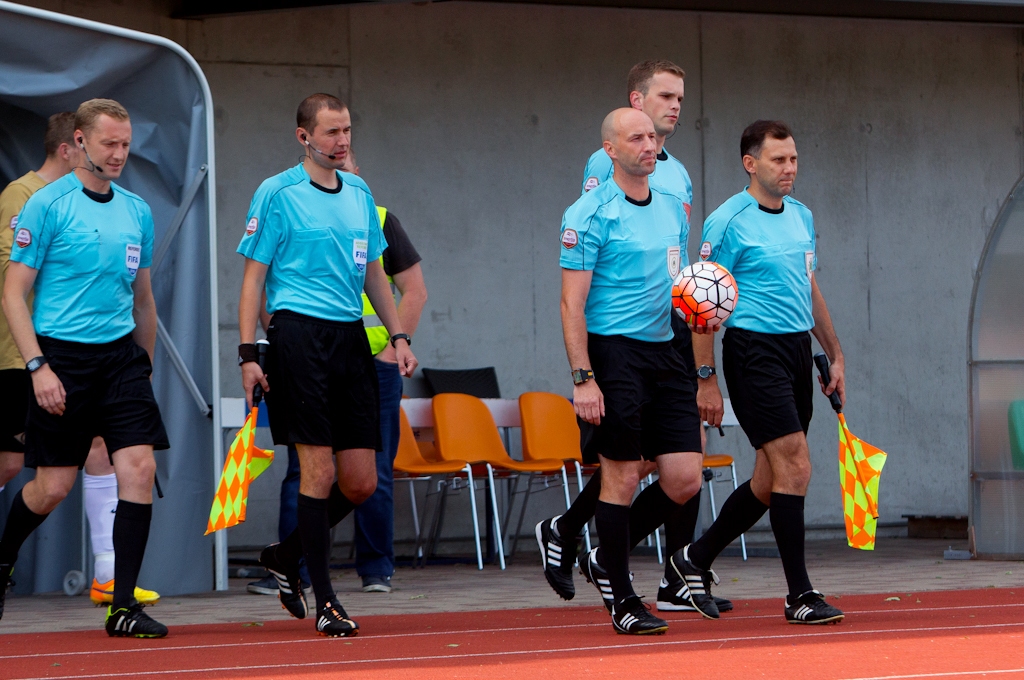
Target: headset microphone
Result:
[328, 155]
[94, 168]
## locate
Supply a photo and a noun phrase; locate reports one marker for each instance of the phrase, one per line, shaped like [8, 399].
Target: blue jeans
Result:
[288, 519]
[375, 518]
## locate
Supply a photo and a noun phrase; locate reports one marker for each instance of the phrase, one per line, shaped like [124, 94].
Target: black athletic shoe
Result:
[697, 583]
[672, 598]
[5, 579]
[595, 574]
[289, 585]
[557, 557]
[811, 608]
[332, 621]
[133, 622]
[633, 617]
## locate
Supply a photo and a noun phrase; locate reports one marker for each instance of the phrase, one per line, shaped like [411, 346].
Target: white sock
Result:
[100, 498]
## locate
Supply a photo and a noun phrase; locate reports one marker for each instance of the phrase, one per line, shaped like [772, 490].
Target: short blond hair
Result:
[89, 112]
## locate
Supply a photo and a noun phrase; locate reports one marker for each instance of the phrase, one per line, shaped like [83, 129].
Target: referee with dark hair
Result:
[766, 239]
[620, 249]
[313, 239]
[86, 245]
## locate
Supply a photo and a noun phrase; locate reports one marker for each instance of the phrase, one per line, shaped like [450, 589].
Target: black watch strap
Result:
[705, 372]
[582, 375]
[401, 336]
[35, 364]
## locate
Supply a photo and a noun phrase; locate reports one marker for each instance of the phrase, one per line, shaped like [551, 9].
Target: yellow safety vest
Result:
[375, 330]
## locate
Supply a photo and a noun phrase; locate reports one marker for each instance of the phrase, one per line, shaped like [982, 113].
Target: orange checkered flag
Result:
[860, 468]
[243, 464]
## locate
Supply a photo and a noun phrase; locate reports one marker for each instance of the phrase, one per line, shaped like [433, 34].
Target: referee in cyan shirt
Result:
[620, 249]
[86, 244]
[766, 239]
[313, 240]
[657, 89]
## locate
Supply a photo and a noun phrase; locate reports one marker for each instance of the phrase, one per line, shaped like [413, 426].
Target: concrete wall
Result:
[473, 122]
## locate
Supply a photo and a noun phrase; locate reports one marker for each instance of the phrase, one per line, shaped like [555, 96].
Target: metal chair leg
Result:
[497, 520]
[476, 521]
[415, 514]
[565, 488]
[579, 486]
[522, 514]
[743, 537]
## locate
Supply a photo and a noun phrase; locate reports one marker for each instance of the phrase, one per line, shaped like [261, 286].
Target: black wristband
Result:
[248, 352]
[401, 336]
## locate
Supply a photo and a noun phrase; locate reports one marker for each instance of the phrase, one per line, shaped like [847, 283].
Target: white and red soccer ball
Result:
[704, 294]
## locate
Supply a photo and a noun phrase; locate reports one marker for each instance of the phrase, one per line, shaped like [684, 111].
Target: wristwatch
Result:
[35, 364]
[582, 375]
[401, 336]
[705, 372]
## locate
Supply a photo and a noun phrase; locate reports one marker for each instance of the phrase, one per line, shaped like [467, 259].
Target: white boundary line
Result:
[949, 674]
[475, 631]
[559, 650]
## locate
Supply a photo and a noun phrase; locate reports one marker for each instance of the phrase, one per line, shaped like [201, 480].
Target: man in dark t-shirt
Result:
[375, 518]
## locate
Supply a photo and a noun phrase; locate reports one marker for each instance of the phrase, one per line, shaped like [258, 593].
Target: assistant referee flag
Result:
[244, 463]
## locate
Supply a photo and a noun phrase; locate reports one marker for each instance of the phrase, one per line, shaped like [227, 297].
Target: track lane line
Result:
[948, 674]
[559, 650]
[475, 631]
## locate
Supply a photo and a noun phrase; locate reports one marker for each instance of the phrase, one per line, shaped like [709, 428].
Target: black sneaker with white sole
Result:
[133, 622]
[811, 608]
[332, 621]
[557, 557]
[5, 580]
[697, 582]
[633, 617]
[289, 583]
[672, 597]
[595, 574]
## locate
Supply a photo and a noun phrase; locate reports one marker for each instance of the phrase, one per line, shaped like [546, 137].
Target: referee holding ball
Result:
[766, 239]
[86, 245]
[313, 240]
[620, 248]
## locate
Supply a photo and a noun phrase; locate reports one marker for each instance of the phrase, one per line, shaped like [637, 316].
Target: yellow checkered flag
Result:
[244, 463]
[860, 468]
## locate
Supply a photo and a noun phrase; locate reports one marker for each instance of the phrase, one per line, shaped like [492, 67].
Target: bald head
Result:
[629, 140]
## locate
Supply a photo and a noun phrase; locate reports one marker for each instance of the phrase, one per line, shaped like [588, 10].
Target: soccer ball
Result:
[704, 294]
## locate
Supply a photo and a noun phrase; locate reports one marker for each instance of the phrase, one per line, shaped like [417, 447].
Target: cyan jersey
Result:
[88, 252]
[669, 174]
[316, 243]
[771, 256]
[634, 251]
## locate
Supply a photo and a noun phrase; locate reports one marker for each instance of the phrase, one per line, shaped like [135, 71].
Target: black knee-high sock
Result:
[650, 509]
[131, 533]
[740, 512]
[787, 517]
[315, 533]
[680, 523]
[613, 555]
[582, 509]
[338, 508]
[20, 523]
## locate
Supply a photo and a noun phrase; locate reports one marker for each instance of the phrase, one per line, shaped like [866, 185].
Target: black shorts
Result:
[682, 341]
[323, 384]
[109, 395]
[15, 392]
[770, 382]
[649, 400]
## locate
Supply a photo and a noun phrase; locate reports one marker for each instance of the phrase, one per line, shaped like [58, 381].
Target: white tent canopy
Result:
[51, 63]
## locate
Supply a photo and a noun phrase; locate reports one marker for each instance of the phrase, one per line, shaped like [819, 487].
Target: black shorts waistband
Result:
[304, 318]
[66, 346]
[642, 345]
[780, 336]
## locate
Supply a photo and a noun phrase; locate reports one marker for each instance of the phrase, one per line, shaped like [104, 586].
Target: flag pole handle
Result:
[257, 390]
[821, 361]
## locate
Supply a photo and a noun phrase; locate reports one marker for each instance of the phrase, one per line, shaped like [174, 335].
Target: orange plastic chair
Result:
[550, 430]
[721, 460]
[412, 466]
[464, 430]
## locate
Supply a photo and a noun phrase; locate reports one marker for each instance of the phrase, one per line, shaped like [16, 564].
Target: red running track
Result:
[959, 634]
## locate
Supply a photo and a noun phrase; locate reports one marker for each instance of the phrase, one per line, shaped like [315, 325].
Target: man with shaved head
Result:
[620, 248]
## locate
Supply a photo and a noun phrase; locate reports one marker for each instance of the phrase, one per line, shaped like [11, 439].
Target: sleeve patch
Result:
[591, 183]
[250, 228]
[705, 250]
[23, 238]
[14, 222]
[570, 238]
[686, 207]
